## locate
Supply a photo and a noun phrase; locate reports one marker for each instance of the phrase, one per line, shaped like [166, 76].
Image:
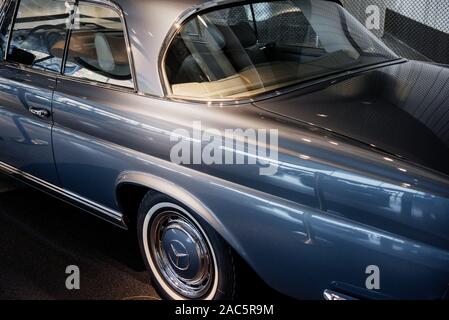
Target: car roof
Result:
[149, 23]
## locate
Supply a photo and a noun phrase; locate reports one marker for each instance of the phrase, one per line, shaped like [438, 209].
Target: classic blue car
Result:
[280, 134]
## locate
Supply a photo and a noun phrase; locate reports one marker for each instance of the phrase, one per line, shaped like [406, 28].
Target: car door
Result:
[32, 35]
[96, 83]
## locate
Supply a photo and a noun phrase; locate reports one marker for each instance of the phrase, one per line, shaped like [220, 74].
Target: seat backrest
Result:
[206, 55]
[241, 45]
[104, 53]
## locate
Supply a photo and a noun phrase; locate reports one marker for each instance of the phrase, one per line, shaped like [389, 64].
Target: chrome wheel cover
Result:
[179, 253]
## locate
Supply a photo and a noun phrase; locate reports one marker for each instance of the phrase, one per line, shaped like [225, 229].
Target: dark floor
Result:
[40, 237]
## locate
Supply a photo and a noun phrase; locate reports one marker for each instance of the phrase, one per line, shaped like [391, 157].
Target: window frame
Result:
[182, 20]
[6, 6]
[1, 9]
[60, 75]
[207, 7]
[116, 9]
[11, 31]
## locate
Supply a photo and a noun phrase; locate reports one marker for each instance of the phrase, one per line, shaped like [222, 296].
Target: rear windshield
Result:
[249, 49]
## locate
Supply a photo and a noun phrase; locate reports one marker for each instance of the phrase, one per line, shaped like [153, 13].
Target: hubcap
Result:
[181, 254]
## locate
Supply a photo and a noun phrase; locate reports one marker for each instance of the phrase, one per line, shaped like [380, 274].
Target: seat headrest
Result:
[245, 33]
[213, 36]
[104, 53]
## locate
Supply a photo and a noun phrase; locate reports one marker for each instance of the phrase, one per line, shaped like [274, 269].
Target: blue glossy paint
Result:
[323, 218]
[25, 140]
[336, 205]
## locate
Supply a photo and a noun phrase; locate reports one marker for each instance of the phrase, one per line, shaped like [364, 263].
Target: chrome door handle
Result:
[41, 113]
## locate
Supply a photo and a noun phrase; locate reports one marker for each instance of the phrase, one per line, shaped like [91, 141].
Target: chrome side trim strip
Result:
[104, 212]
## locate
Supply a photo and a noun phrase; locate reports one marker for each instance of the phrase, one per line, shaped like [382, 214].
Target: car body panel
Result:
[25, 140]
[401, 109]
[147, 30]
[335, 206]
[370, 203]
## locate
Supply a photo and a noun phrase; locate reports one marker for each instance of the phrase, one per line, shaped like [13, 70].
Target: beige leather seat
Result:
[106, 51]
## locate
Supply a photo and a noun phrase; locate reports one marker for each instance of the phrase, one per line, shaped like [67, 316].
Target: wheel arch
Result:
[132, 186]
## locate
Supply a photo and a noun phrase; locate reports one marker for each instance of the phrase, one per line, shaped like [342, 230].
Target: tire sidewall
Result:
[223, 286]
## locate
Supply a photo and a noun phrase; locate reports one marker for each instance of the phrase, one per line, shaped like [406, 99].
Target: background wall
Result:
[416, 29]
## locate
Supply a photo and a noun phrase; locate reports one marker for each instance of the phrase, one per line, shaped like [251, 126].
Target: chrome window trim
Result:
[13, 21]
[187, 14]
[26, 68]
[67, 37]
[97, 84]
[98, 210]
[2, 11]
[114, 6]
[220, 4]
[59, 75]
[22, 66]
[283, 91]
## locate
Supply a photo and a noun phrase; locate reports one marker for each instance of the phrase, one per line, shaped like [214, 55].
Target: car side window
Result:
[39, 34]
[97, 47]
[7, 17]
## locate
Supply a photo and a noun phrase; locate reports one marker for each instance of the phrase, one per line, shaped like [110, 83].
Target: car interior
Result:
[228, 68]
[99, 51]
[97, 46]
[225, 57]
